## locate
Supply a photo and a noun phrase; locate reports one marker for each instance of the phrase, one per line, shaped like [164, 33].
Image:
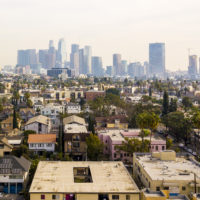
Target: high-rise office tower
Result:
[192, 68]
[51, 57]
[43, 53]
[74, 48]
[97, 68]
[61, 55]
[27, 57]
[157, 59]
[81, 61]
[87, 60]
[74, 58]
[109, 70]
[124, 65]
[136, 70]
[51, 43]
[117, 64]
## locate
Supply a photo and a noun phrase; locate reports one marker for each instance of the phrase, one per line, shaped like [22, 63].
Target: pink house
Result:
[115, 137]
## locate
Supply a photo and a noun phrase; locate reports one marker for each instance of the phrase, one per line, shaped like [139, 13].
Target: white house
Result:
[45, 142]
[53, 110]
[39, 124]
[73, 108]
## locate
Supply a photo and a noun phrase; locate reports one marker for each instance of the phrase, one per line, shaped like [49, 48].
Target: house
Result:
[7, 124]
[13, 174]
[114, 138]
[92, 95]
[5, 147]
[167, 171]
[15, 140]
[83, 181]
[39, 124]
[116, 121]
[26, 114]
[75, 141]
[74, 120]
[53, 111]
[42, 142]
[73, 108]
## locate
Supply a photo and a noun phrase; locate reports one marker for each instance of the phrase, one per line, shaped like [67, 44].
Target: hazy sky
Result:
[109, 26]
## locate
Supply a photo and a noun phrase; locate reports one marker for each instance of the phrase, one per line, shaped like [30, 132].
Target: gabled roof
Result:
[42, 138]
[12, 162]
[40, 119]
[73, 120]
[5, 142]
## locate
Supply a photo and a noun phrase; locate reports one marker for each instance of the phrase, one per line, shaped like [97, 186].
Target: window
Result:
[115, 155]
[55, 196]
[42, 196]
[1, 146]
[166, 188]
[156, 148]
[128, 197]
[183, 188]
[116, 197]
[163, 148]
[157, 188]
[49, 145]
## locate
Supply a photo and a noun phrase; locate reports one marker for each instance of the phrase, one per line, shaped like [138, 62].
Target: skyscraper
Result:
[61, 55]
[192, 68]
[74, 48]
[117, 64]
[81, 61]
[51, 57]
[43, 53]
[27, 57]
[157, 59]
[124, 65]
[97, 68]
[136, 70]
[87, 60]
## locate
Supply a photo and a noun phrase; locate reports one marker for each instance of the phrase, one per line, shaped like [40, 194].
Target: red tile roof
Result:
[42, 138]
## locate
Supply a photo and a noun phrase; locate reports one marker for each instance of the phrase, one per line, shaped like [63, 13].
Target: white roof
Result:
[75, 128]
[57, 176]
[180, 169]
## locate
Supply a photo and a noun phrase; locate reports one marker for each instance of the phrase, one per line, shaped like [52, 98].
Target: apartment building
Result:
[83, 181]
[167, 171]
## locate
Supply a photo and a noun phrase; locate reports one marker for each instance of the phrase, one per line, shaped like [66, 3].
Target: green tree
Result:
[196, 123]
[15, 123]
[94, 147]
[187, 103]
[178, 125]
[173, 105]
[113, 91]
[165, 108]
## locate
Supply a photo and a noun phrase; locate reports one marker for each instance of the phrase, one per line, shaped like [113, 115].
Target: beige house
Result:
[5, 147]
[40, 124]
[83, 181]
[166, 171]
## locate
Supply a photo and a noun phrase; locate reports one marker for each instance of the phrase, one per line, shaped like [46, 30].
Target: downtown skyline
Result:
[122, 27]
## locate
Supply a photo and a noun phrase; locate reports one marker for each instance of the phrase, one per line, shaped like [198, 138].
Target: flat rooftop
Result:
[58, 177]
[180, 169]
[75, 128]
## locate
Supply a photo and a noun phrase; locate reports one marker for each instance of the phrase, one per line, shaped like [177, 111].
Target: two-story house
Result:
[39, 124]
[26, 113]
[39, 143]
[75, 134]
[13, 174]
[73, 108]
[53, 111]
[5, 147]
